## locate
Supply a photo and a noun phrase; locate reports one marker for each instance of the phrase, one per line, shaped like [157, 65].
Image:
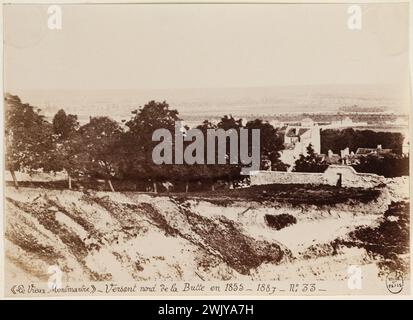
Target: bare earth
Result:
[96, 236]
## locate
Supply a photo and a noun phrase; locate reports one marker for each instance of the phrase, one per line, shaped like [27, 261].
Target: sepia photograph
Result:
[206, 149]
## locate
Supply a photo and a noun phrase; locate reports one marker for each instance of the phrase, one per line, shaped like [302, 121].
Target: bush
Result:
[281, 221]
[337, 140]
[388, 165]
[388, 241]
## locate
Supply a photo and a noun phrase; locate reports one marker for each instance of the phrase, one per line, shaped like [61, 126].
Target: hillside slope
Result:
[133, 236]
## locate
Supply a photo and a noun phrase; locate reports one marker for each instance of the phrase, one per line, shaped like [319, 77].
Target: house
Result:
[368, 151]
[406, 146]
[348, 157]
[302, 135]
[297, 137]
[351, 158]
[331, 158]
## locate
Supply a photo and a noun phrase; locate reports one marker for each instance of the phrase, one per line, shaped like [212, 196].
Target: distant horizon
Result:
[200, 103]
[207, 60]
[213, 87]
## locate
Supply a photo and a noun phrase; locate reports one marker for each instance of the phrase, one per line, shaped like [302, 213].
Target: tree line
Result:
[107, 150]
[104, 149]
[336, 140]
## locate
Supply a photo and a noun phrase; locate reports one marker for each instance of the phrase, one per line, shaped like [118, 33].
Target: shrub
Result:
[280, 221]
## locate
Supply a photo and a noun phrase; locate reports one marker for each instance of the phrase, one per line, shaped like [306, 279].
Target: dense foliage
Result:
[337, 140]
[310, 162]
[104, 149]
[387, 165]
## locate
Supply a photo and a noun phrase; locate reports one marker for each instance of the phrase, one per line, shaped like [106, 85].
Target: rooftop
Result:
[373, 151]
[293, 132]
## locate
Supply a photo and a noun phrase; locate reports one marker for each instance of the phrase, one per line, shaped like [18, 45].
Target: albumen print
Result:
[206, 149]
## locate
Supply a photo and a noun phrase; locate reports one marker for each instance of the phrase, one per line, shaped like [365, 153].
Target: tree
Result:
[137, 144]
[29, 138]
[100, 138]
[65, 125]
[229, 122]
[310, 162]
[337, 140]
[271, 143]
[154, 115]
[228, 172]
[71, 156]
[69, 146]
[387, 165]
[207, 172]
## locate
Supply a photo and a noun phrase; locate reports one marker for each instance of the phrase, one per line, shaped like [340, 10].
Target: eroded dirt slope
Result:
[131, 236]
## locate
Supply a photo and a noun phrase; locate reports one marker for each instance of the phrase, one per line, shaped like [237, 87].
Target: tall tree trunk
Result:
[155, 188]
[16, 183]
[186, 186]
[110, 185]
[69, 180]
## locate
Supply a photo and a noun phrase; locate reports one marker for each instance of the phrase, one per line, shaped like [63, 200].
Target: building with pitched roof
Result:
[297, 137]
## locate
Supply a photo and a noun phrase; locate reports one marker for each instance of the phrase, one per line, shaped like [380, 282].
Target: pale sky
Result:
[199, 46]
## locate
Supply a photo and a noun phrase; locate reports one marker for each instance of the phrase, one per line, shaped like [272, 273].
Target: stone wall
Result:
[351, 178]
[332, 176]
[269, 177]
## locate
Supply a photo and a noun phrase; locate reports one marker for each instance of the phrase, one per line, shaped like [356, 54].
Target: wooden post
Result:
[186, 186]
[155, 189]
[110, 185]
[16, 183]
[69, 179]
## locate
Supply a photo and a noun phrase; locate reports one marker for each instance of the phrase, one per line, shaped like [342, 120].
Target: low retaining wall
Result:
[270, 177]
[334, 175]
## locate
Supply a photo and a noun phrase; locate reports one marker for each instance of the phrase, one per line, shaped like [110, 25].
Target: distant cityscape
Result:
[362, 103]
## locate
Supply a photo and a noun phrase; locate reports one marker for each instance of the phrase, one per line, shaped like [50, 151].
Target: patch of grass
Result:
[158, 219]
[30, 244]
[48, 220]
[222, 238]
[280, 221]
[71, 240]
[386, 241]
[127, 214]
[296, 194]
